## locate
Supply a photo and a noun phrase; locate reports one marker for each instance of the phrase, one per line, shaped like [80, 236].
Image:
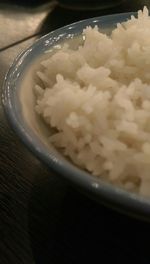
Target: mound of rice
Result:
[98, 99]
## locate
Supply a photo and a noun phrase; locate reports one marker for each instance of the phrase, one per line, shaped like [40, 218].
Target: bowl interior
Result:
[31, 64]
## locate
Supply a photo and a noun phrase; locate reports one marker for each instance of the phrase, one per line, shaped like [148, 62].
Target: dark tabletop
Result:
[42, 218]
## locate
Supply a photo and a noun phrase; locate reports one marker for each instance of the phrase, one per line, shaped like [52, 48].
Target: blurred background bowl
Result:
[88, 4]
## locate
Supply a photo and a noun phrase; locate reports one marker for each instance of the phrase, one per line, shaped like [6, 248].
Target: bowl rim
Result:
[116, 197]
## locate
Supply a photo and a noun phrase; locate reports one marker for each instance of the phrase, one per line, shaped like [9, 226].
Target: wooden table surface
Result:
[42, 218]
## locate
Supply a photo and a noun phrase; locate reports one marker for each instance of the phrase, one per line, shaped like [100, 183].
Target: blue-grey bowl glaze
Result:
[99, 190]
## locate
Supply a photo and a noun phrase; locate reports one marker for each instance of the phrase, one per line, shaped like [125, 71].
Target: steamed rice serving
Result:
[97, 98]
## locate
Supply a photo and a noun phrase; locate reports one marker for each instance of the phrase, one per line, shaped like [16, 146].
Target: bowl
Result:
[88, 4]
[18, 101]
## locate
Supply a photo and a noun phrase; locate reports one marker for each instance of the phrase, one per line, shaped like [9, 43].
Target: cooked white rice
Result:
[98, 99]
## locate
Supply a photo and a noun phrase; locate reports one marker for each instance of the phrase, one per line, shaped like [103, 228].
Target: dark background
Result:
[42, 218]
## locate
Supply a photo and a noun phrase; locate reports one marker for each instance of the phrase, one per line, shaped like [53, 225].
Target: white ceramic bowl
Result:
[18, 101]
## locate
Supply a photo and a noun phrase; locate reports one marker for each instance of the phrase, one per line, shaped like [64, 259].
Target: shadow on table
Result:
[67, 227]
[60, 17]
